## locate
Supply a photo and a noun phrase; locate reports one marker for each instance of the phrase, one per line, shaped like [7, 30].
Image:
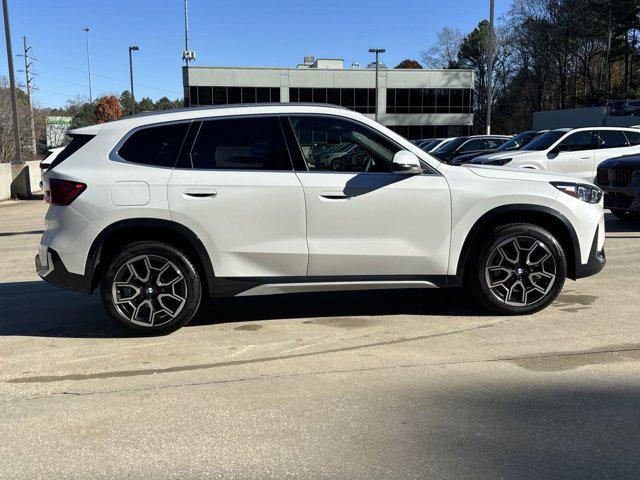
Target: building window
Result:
[417, 132]
[429, 100]
[361, 100]
[226, 95]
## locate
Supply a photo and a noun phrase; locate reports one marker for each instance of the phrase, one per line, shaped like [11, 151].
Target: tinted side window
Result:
[493, 143]
[76, 143]
[240, 143]
[611, 139]
[580, 141]
[158, 146]
[330, 143]
[633, 137]
[471, 145]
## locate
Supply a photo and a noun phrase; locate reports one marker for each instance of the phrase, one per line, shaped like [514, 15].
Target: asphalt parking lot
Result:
[350, 385]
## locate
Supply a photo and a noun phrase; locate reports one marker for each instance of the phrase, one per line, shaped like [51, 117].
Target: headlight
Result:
[581, 191]
[499, 161]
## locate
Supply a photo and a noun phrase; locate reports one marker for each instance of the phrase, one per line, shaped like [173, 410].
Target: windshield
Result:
[517, 142]
[429, 145]
[452, 145]
[544, 141]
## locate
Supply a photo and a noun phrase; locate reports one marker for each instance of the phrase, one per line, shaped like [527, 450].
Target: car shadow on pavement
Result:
[40, 310]
[439, 302]
[542, 430]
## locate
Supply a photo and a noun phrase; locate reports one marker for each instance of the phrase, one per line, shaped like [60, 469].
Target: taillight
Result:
[63, 192]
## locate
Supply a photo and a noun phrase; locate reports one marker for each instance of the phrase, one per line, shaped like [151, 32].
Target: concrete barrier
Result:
[26, 180]
[5, 181]
[35, 176]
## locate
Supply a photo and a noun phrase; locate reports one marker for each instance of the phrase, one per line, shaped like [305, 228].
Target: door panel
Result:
[579, 160]
[242, 198]
[578, 164]
[252, 223]
[377, 223]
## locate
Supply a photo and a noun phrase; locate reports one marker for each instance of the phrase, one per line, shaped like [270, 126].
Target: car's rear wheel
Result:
[151, 287]
[521, 269]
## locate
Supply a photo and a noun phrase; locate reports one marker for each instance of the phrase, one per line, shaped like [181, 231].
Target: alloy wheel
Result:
[520, 271]
[149, 290]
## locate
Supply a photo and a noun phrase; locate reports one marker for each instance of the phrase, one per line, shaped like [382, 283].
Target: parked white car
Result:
[51, 155]
[576, 151]
[160, 209]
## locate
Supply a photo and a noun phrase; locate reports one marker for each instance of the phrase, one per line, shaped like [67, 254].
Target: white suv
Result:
[571, 151]
[160, 209]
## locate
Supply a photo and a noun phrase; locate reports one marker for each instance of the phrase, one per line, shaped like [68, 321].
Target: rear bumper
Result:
[597, 260]
[51, 269]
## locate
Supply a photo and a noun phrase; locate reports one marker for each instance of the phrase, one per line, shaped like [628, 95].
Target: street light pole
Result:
[490, 69]
[17, 159]
[377, 51]
[133, 97]
[86, 32]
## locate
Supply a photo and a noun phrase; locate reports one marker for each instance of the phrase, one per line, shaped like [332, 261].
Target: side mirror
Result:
[406, 163]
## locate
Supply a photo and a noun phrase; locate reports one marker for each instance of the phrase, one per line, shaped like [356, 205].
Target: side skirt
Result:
[229, 287]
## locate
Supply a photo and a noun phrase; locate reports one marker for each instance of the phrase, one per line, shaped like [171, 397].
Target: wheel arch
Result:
[124, 232]
[539, 215]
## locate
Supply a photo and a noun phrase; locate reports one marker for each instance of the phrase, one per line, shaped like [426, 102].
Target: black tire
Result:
[166, 301]
[484, 278]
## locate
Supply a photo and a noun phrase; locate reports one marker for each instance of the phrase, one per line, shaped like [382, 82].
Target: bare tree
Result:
[444, 53]
[7, 147]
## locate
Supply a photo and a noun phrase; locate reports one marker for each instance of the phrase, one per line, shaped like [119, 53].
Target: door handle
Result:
[334, 196]
[585, 158]
[199, 192]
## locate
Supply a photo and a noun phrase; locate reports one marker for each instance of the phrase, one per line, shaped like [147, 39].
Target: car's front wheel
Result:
[151, 287]
[520, 269]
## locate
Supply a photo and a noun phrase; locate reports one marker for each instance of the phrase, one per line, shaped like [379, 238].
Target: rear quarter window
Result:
[158, 146]
[76, 143]
[633, 137]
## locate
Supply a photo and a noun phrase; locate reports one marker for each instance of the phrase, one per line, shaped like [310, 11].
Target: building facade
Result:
[414, 103]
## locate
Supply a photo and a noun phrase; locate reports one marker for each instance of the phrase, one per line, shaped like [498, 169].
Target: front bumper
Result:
[51, 269]
[597, 260]
[627, 199]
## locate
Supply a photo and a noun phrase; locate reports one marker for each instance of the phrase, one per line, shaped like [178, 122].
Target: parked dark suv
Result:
[620, 179]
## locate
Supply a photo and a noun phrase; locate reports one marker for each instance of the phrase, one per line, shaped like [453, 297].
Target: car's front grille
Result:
[617, 177]
[603, 176]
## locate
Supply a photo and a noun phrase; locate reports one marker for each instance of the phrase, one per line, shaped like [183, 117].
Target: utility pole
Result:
[605, 108]
[187, 55]
[86, 32]
[28, 79]
[132, 48]
[377, 51]
[12, 84]
[490, 69]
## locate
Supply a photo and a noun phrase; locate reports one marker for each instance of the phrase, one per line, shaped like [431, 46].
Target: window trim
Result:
[594, 142]
[114, 155]
[427, 169]
[231, 117]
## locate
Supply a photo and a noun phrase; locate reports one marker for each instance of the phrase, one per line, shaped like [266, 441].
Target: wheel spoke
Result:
[491, 270]
[118, 288]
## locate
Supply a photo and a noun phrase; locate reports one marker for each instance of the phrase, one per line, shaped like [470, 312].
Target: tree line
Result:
[83, 113]
[549, 54]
